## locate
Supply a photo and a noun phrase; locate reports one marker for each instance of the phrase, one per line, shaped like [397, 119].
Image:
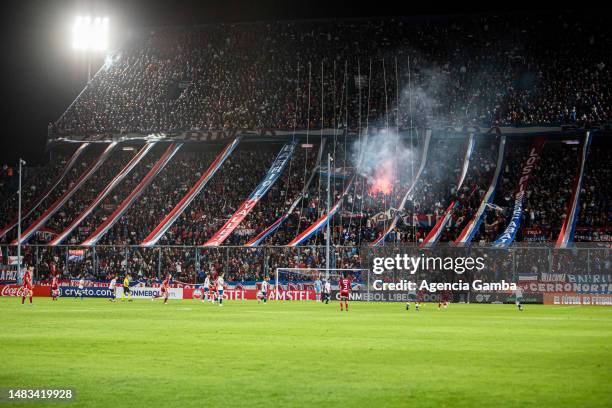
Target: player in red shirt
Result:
[345, 288]
[444, 298]
[54, 288]
[27, 285]
[164, 288]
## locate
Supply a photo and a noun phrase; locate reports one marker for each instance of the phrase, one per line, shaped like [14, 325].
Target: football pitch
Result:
[307, 354]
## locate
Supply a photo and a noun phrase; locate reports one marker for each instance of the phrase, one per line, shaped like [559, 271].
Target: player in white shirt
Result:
[113, 288]
[327, 291]
[220, 285]
[206, 288]
[265, 287]
[81, 288]
[518, 293]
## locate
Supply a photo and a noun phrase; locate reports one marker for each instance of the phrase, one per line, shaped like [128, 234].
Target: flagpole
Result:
[329, 160]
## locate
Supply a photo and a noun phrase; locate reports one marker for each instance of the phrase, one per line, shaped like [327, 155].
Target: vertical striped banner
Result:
[245, 208]
[258, 239]
[36, 225]
[103, 194]
[129, 200]
[171, 218]
[26, 213]
[566, 235]
[507, 237]
[470, 230]
[436, 232]
[322, 221]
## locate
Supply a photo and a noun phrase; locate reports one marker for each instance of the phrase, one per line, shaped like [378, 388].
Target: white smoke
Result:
[383, 158]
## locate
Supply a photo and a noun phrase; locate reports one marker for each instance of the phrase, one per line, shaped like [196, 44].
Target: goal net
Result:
[305, 278]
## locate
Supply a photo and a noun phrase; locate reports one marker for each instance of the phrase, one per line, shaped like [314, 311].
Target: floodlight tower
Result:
[90, 35]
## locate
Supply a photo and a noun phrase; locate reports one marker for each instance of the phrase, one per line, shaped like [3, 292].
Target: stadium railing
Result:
[189, 263]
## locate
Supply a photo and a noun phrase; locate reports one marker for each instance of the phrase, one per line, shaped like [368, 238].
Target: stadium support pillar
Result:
[197, 264]
[95, 262]
[126, 257]
[588, 261]
[67, 259]
[550, 258]
[158, 262]
[37, 258]
[266, 267]
[227, 260]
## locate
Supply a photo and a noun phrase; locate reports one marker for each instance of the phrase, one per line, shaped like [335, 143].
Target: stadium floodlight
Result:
[90, 35]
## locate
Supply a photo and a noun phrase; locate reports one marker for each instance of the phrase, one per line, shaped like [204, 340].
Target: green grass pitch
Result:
[307, 354]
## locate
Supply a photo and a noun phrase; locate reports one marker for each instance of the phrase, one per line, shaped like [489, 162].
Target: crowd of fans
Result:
[160, 197]
[364, 212]
[483, 70]
[344, 75]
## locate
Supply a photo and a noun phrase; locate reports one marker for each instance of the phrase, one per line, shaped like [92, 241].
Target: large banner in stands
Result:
[577, 299]
[8, 276]
[566, 235]
[16, 290]
[507, 237]
[274, 172]
[589, 234]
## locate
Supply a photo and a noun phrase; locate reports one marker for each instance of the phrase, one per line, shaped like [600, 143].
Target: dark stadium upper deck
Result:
[479, 70]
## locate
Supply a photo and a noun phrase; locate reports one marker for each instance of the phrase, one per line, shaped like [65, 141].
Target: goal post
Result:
[307, 276]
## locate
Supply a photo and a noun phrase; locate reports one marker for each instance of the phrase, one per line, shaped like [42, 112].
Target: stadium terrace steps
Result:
[52, 186]
[129, 200]
[107, 190]
[167, 222]
[40, 222]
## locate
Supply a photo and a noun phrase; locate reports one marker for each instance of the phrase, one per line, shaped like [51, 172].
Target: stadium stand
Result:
[325, 85]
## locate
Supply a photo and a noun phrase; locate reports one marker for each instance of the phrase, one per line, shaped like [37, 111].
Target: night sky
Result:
[43, 74]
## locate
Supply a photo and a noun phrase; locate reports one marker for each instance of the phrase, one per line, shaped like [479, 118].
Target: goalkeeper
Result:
[126, 288]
